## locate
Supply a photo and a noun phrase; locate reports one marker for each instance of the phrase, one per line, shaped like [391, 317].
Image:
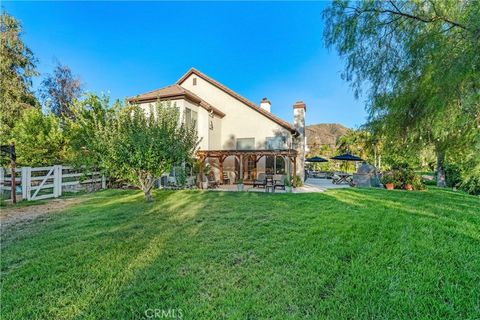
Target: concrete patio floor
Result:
[311, 185]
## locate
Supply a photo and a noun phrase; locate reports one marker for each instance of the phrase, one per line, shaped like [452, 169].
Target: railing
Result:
[36, 183]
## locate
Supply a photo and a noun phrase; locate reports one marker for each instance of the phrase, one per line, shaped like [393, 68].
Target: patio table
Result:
[269, 184]
[343, 177]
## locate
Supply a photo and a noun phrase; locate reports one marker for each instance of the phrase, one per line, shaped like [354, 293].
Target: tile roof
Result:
[172, 92]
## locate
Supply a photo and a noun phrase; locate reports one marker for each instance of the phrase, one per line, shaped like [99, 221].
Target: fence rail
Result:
[37, 183]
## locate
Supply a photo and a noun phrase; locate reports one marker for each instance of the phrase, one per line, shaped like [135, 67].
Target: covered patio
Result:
[247, 161]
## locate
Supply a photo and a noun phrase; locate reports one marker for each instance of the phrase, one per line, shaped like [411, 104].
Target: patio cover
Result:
[221, 155]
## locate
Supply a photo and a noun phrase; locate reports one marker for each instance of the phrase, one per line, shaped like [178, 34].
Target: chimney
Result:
[265, 104]
[300, 142]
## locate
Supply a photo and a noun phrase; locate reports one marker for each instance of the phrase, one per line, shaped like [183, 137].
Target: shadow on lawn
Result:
[465, 222]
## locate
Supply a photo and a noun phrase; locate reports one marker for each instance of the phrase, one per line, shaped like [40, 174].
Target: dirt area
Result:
[13, 215]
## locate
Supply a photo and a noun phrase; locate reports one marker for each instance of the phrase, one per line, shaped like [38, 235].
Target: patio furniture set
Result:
[270, 182]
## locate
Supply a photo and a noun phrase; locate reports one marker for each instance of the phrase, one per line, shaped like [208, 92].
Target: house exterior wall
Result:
[240, 121]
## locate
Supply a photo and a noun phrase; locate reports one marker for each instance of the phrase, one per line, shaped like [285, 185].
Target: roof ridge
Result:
[236, 96]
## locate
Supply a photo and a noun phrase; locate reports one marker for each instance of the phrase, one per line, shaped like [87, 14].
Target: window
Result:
[275, 165]
[273, 143]
[191, 117]
[194, 81]
[245, 143]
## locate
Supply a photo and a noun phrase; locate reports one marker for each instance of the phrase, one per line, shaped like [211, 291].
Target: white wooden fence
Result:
[47, 182]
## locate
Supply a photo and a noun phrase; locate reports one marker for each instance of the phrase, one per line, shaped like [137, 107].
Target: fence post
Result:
[24, 182]
[57, 181]
[104, 182]
[28, 179]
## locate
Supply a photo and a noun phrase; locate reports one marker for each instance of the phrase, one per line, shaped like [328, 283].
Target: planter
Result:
[240, 187]
[389, 186]
[205, 185]
[288, 189]
[408, 187]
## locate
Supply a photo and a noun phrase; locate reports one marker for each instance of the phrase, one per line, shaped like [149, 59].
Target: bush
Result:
[298, 181]
[453, 175]
[471, 184]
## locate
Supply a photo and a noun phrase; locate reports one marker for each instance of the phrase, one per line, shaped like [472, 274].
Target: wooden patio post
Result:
[294, 172]
[241, 167]
[220, 165]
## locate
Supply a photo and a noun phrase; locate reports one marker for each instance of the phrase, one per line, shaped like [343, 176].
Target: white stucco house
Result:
[238, 138]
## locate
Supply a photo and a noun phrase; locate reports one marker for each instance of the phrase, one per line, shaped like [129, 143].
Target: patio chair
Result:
[261, 180]
[279, 181]
[226, 179]
[212, 183]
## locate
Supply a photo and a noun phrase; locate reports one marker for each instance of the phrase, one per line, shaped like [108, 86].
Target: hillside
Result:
[325, 133]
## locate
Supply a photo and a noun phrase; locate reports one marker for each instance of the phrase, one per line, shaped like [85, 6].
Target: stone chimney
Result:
[265, 105]
[300, 142]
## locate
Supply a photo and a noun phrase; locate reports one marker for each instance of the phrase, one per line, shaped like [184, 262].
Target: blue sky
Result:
[261, 49]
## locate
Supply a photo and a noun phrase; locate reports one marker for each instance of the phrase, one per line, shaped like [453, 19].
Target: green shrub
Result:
[453, 175]
[298, 181]
[181, 176]
[471, 184]
[287, 181]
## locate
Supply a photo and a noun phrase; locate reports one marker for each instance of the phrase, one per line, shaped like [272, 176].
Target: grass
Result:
[343, 254]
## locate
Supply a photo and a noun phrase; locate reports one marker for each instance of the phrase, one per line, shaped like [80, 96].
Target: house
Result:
[237, 137]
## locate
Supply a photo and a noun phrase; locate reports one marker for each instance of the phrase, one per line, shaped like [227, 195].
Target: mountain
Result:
[324, 134]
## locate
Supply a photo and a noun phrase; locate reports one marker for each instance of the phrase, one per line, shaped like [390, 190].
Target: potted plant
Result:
[288, 184]
[411, 180]
[389, 180]
[239, 183]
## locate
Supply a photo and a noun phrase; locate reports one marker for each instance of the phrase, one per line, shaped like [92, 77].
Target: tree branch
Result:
[398, 12]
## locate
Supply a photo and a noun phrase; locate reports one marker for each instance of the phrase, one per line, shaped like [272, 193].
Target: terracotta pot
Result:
[389, 186]
[408, 187]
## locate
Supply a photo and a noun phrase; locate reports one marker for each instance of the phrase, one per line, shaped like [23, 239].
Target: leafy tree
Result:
[420, 64]
[17, 67]
[60, 90]
[89, 117]
[141, 144]
[38, 139]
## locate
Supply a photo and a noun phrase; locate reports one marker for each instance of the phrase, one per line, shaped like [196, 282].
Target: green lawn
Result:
[343, 254]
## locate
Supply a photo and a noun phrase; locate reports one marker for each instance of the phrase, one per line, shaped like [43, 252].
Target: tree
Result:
[17, 67]
[60, 90]
[89, 117]
[141, 145]
[420, 64]
[38, 139]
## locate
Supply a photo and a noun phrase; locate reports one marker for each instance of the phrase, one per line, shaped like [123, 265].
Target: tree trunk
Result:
[146, 183]
[148, 195]
[441, 169]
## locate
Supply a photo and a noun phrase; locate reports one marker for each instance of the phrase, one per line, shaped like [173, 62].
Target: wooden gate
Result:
[42, 183]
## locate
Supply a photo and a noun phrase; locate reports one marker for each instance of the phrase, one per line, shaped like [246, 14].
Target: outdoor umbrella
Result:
[316, 159]
[347, 157]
